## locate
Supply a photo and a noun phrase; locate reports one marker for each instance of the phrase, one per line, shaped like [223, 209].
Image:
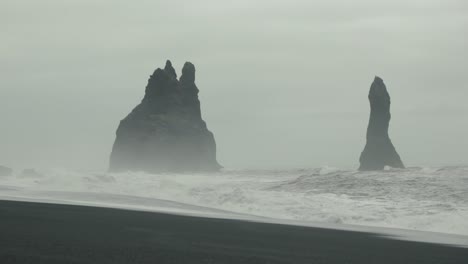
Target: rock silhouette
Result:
[165, 132]
[379, 150]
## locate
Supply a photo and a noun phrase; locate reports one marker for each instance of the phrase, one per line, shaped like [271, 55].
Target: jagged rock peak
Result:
[157, 84]
[166, 132]
[170, 70]
[188, 73]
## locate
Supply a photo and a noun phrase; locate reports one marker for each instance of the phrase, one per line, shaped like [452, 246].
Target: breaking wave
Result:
[426, 199]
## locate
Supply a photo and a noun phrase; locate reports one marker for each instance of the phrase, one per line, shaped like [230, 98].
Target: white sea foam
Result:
[426, 199]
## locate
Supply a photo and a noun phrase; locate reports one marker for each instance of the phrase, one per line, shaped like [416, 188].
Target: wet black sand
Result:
[51, 233]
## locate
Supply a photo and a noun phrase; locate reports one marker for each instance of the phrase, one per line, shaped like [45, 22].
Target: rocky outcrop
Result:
[379, 150]
[5, 171]
[165, 132]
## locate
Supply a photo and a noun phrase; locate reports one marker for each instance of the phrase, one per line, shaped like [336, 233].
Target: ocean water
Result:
[424, 199]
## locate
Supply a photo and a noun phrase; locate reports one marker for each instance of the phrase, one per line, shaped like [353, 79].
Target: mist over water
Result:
[283, 84]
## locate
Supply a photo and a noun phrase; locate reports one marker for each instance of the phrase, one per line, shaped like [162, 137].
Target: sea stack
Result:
[379, 150]
[165, 132]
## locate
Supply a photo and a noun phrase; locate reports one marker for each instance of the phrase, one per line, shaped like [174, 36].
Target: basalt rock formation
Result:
[165, 132]
[379, 150]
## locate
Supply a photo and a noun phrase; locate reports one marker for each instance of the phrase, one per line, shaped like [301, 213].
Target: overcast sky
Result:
[282, 83]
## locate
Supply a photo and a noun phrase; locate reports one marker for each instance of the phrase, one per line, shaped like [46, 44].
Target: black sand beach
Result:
[51, 233]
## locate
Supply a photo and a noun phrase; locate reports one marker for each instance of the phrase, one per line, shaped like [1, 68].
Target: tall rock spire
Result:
[188, 73]
[165, 132]
[379, 150]
[190, 90]
[170, 70]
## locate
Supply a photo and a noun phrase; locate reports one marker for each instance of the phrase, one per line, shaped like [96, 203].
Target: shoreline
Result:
[57, 233]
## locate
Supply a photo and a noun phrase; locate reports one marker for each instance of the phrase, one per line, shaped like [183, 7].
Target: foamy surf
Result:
[423, 199]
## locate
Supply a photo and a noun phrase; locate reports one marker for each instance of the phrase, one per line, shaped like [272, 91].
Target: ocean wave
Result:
[427, 199]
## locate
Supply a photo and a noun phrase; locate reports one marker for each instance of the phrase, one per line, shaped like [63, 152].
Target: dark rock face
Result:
[165, 132]
[379, 150]
[5, 171]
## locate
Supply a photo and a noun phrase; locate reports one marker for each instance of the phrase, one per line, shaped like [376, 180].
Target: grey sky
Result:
[282, 83]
